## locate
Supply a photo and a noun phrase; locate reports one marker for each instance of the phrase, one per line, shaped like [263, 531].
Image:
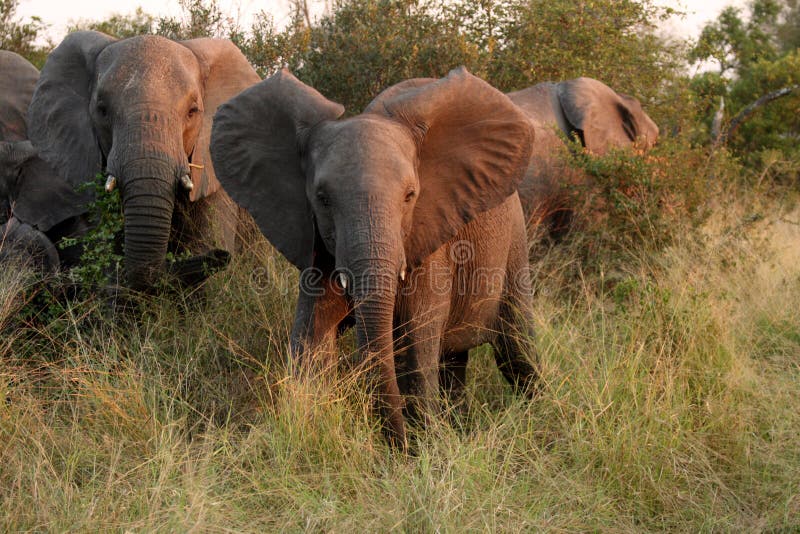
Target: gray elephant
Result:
[601, 118]
[37, 207]
[141, 109]
[405, 216]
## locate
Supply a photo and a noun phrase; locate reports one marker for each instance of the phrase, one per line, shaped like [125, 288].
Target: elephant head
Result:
[372, 195]
[141, 109]
[600, 117]
[583, 108]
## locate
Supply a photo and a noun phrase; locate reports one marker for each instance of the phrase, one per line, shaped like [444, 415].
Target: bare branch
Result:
[743, 115]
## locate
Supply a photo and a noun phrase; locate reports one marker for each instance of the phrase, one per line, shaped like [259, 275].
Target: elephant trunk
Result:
[374, 289]
[148, 199]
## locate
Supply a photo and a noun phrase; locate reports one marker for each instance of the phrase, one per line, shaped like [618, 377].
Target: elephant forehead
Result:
[147, 62]
[364, 145]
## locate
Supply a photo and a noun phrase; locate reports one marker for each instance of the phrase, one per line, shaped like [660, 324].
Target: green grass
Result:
[670, 401]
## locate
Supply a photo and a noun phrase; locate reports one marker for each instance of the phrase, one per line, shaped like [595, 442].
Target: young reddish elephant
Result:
[405, 216]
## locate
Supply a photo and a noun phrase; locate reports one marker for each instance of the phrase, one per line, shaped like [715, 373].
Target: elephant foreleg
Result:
[320, 311]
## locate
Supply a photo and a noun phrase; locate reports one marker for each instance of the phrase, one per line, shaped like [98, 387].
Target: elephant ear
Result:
[645, 126]
[378, 103]
[16, 89]
[473, 144]
[59, 123]
[601, 118]
[38, 196]
[257, 142]
[226, 73]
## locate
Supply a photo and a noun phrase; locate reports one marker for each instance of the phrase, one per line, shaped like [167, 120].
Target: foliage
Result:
[269, 49]
[632, 202]
[201, 18]
[120, 26]
[20, 37]
[366, 46]
[756, 56]
[734, 43]
[523, 42]
[101, 245]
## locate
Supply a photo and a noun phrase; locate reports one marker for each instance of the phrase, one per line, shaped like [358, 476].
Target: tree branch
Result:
[722, 137]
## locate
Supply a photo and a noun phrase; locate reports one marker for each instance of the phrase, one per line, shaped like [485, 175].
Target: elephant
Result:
[404, 218]
[37, 208]
[140, 110]
[601, 119]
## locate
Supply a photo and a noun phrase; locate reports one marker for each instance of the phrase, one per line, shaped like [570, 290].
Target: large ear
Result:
[601, 118]
[226, 73]
[646, 127]
[474, 145]
[16, 89]
[59, 123]
[256, 144]
[377, 104]
[37, 196]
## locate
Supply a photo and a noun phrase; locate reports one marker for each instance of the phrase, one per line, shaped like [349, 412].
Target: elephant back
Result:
[17, 83]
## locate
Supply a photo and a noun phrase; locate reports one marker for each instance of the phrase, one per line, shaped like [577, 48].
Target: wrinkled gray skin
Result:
[37, 207]
[20, 244]
[141, 109]
[601, 119]
[423, 181]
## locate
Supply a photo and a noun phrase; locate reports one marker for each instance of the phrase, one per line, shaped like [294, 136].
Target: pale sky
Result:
[58, 13]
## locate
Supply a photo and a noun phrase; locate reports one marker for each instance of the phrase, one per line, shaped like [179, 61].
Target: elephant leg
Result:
[515, 341]
[453, 377]
[510, 352]
[417, 352]
[320, 311]
[417, 364]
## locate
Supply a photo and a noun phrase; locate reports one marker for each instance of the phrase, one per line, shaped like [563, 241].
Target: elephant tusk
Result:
[186, 182]
[111, 183]
[403, 274]
[343, 280]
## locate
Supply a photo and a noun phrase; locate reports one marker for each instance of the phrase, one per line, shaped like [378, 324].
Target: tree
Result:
[758, 76]
[365, 46]
[20, 37]
[735, 42]
[121, 26]
[200, 18]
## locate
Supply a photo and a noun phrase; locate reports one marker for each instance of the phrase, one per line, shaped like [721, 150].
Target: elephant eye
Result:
[410, 195]
[102, 109]
[193, 111]
[323, 199]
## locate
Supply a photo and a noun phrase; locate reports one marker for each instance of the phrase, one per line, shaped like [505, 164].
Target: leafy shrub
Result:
[634, 201]
[101, 245]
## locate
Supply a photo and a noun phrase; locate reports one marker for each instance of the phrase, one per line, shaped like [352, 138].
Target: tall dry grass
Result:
[670, 401]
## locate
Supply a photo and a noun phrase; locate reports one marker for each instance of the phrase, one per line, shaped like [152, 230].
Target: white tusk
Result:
[186, 182]
[111, 183]
[343, 280]
[403, 275]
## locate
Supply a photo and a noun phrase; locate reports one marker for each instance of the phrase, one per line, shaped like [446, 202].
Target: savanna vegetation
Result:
[668, 336]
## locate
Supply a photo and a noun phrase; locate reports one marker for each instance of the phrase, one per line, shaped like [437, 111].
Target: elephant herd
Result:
[408, 221]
